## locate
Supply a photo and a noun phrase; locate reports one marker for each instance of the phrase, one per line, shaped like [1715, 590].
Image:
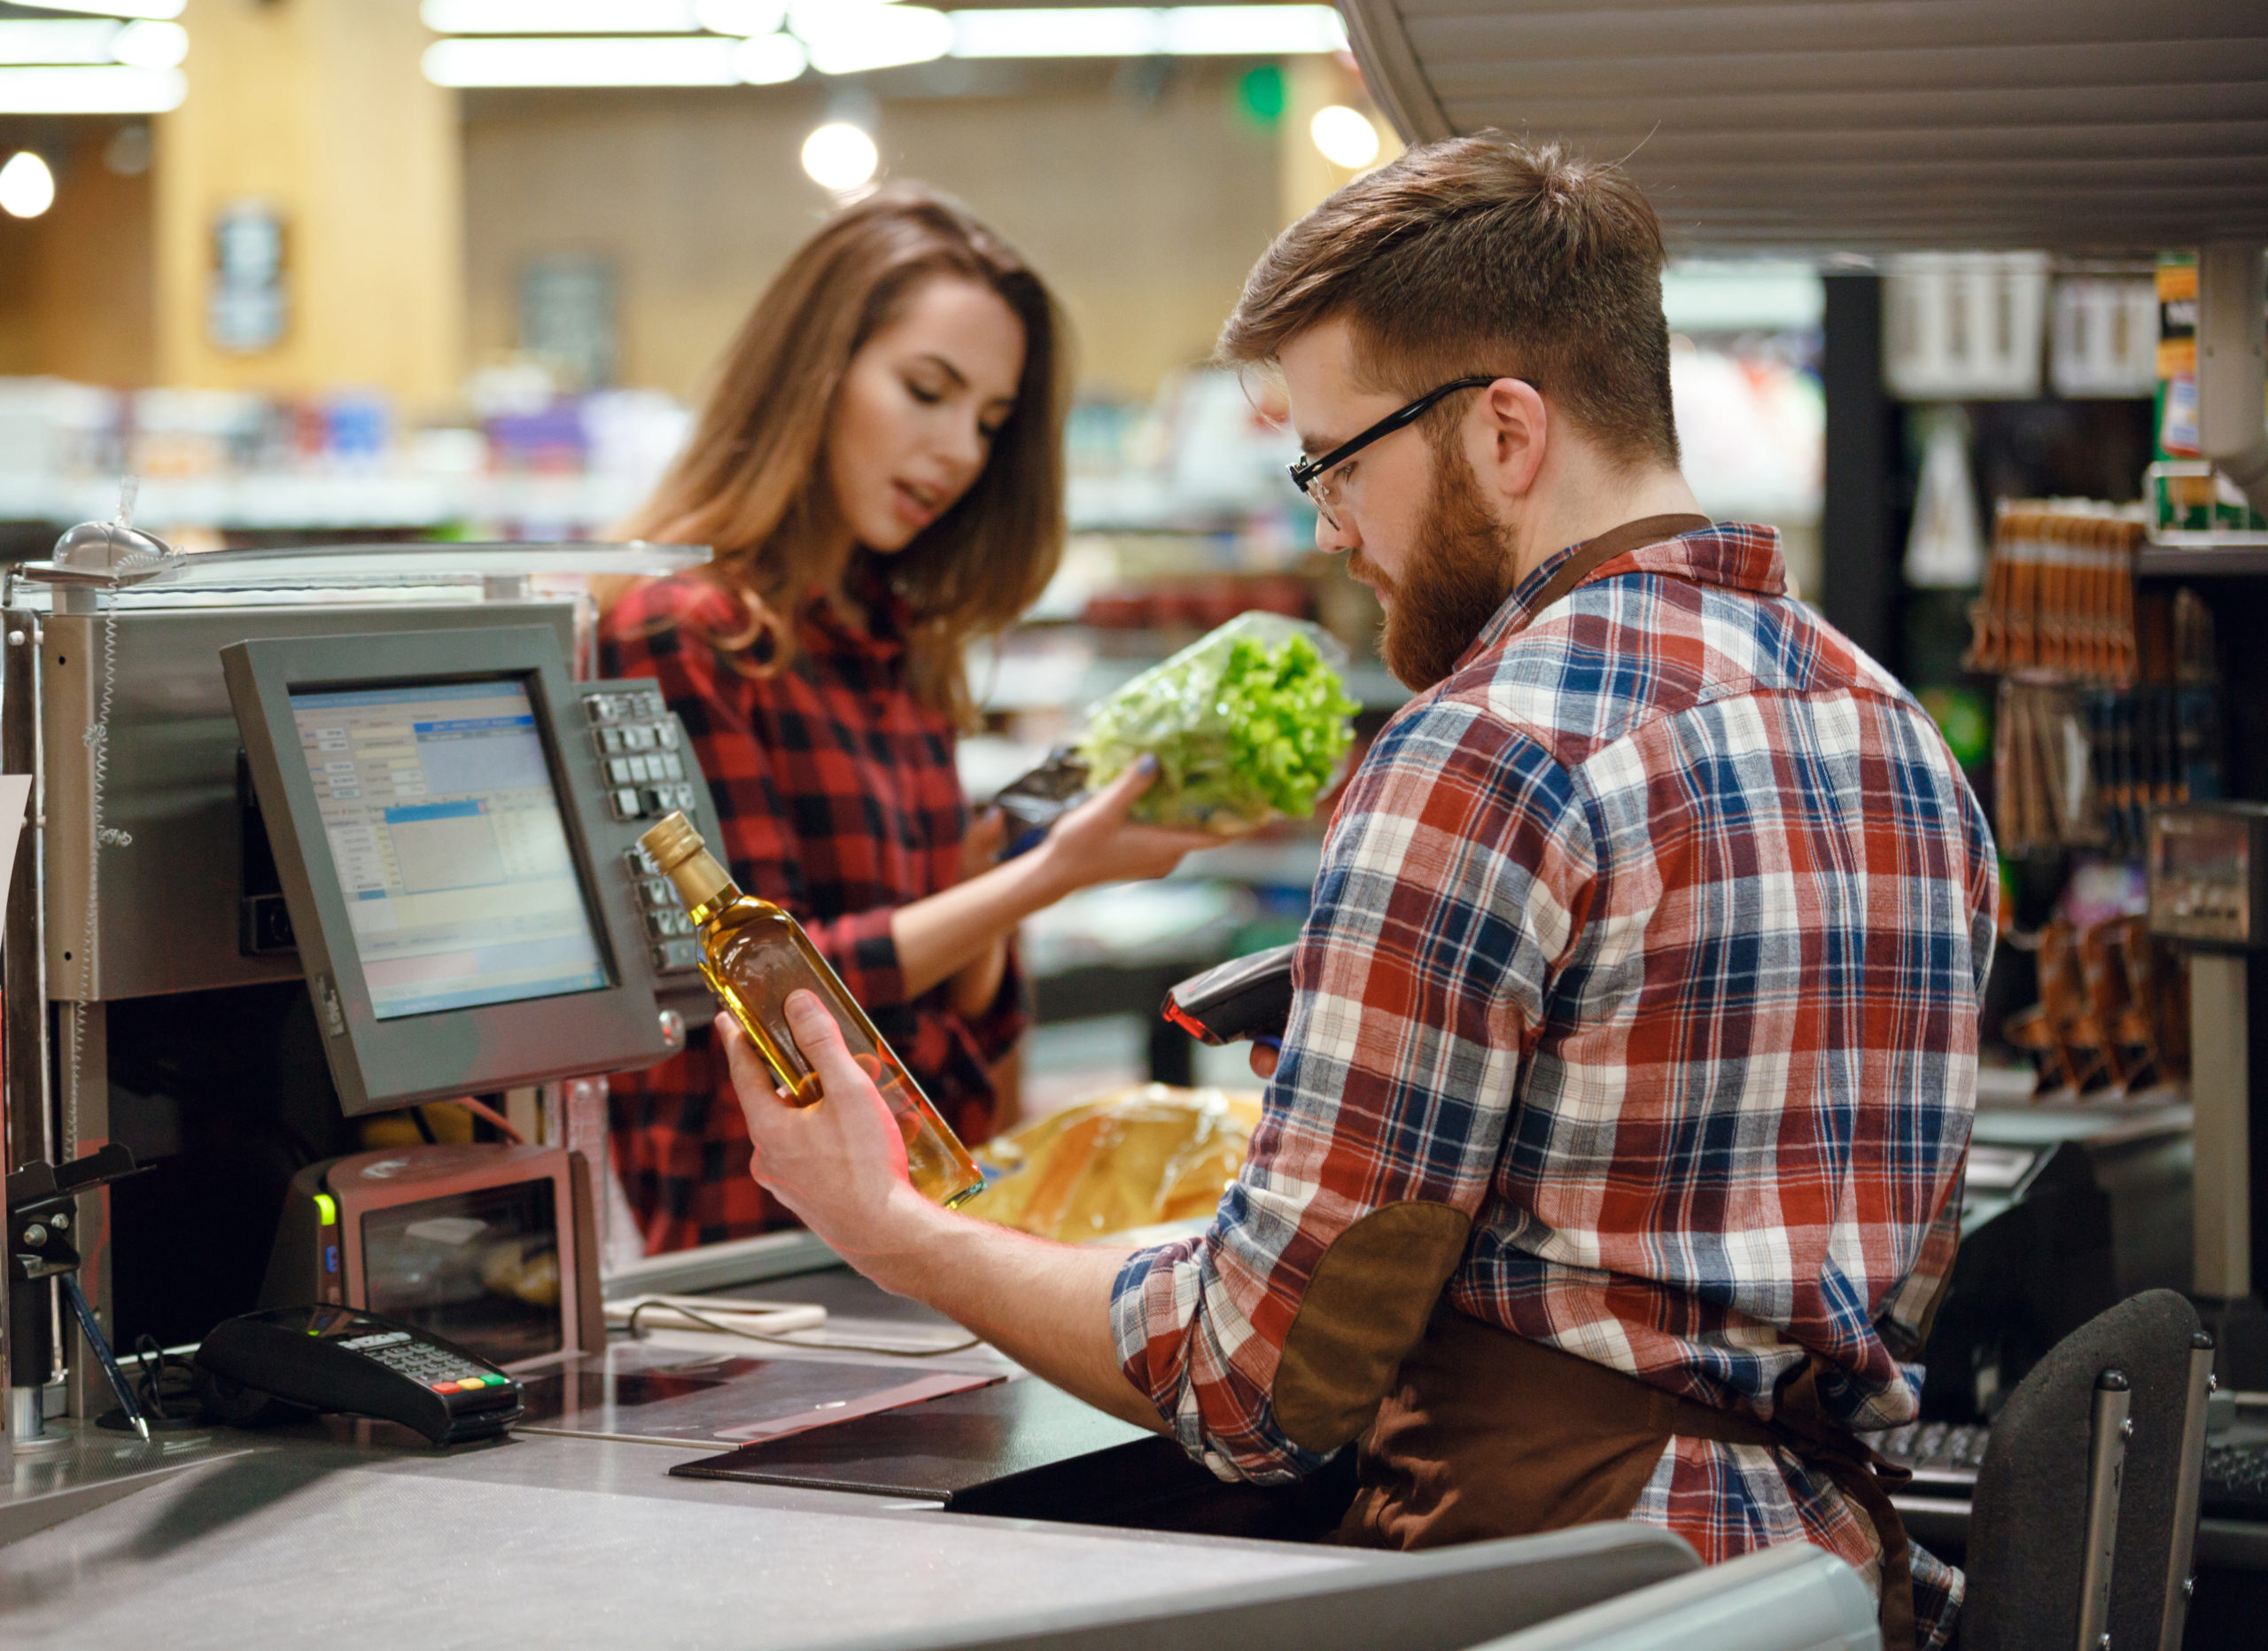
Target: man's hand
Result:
[1264, 1059]
[839, 1164]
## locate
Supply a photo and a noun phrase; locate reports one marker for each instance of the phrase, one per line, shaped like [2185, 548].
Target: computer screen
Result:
[446, 836]
[458, 874]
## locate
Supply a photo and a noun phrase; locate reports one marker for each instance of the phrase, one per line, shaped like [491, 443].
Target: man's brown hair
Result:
[1478, 254]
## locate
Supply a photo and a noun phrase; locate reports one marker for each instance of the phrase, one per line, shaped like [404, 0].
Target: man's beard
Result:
[1458, 576]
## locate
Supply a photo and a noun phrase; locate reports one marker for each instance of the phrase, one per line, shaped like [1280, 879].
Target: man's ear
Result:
[1509, 434]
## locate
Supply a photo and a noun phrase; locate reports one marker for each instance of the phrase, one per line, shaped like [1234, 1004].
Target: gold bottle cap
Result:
[678, 853]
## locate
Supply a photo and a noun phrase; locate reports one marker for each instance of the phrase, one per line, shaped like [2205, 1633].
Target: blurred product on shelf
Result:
[2110, 704]
[2193, 504]
[2060, 592]
[1137, 1158]
[221, 460]
[2112, 1015]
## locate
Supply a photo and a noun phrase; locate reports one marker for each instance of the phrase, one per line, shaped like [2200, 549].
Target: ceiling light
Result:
[27, 187]
[840, 157]
[152, 45]
[111, 8]
[1096, 32]
[1346, 136]
[770, 60]
[559, 16]
[78, 40]
[110, 90]
[1258, 31]
[685, 61]
[740, 16]
[852, 36]
[1253, 31]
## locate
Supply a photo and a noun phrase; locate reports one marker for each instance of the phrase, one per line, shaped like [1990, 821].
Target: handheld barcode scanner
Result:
[1248, 998]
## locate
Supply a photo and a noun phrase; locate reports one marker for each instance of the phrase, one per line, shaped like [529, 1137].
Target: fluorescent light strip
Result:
[1100, 32]
[1253, 31]
[160, 9]
[77, 40]
[1258, 31]
[686, 60]
[559, 16]
[107, 91]
[852, 36]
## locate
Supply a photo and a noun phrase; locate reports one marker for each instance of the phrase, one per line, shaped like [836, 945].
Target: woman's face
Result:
[913, 422]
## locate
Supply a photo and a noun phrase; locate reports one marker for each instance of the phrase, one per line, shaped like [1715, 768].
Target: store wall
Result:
[1145, 214]
[76, 297]
[319, 111]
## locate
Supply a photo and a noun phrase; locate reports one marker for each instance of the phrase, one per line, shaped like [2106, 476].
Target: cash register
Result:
[337, 858]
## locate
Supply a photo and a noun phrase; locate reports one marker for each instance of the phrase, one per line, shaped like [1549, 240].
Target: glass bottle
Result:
[753, 955]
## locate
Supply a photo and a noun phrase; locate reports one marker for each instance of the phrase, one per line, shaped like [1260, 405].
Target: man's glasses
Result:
[1319, 478]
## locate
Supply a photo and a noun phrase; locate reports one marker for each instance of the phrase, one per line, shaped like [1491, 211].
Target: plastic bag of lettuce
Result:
[1250, 723]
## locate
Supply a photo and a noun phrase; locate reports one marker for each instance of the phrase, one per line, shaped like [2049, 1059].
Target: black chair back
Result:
[2027, 1558]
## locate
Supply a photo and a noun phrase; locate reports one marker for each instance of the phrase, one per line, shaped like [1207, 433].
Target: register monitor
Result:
[444, 830]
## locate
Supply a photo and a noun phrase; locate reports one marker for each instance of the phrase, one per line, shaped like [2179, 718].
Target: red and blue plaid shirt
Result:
[836, 797]
[1653, 940]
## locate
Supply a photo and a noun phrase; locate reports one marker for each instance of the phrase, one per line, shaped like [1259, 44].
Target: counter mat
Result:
[1021, 1447]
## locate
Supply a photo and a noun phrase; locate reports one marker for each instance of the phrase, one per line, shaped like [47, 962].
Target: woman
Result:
[880, 472]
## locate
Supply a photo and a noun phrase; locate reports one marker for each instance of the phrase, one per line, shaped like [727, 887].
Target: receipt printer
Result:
[488, 1246]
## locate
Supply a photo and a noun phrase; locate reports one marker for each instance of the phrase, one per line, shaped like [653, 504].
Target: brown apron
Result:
[1488, 1434]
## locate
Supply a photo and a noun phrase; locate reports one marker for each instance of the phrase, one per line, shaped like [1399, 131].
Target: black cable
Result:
[153, 1390]
[424, 1126]
[789, 1340]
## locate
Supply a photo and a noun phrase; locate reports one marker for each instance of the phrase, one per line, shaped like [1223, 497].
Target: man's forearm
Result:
[1045, 1305]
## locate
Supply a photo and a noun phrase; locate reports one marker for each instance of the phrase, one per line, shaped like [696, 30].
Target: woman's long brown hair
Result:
[751, 482]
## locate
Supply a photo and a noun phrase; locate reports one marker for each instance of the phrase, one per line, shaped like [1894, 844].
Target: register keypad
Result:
[423, 1363]
[649, 773]
[637, 742]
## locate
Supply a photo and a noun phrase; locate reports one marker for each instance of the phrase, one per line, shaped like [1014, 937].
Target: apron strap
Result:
[1595, 553]
[1801, 1426]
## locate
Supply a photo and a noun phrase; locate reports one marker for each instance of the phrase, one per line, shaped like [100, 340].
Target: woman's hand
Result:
[1096, 843]
[840, 1164]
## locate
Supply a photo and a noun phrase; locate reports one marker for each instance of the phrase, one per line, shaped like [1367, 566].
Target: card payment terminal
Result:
[340, 1358]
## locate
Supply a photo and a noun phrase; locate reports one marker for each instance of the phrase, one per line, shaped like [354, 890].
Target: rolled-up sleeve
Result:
[1455, 878]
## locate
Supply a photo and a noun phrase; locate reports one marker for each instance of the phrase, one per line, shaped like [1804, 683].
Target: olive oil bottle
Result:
[753, 955]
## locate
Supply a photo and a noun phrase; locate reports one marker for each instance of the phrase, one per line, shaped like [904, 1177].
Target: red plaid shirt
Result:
[836, 797]
[1651, 940]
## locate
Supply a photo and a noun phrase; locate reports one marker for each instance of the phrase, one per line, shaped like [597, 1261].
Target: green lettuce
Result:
[1249, 724]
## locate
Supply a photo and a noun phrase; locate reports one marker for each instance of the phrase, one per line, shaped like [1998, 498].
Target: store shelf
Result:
[2220, 556]
[284, 500]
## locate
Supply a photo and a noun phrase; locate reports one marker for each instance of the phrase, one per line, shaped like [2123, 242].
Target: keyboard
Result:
[1942, 1455]
[1945, 1456]
[2236, 1482]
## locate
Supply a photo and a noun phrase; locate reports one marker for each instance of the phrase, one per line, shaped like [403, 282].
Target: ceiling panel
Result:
[1816, 125]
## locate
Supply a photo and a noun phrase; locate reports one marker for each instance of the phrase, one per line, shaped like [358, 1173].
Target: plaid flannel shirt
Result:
[1653, 940]
[836, 797]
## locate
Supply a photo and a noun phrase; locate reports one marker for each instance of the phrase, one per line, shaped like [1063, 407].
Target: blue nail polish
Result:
[1149, 763]
[1276, 1044]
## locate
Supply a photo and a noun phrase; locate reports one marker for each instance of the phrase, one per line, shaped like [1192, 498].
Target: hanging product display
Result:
[2109, 704]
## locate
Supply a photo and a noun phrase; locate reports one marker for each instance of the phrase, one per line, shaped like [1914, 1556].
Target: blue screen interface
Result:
[447, 834]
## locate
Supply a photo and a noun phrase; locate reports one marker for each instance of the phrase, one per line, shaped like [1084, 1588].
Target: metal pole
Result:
[26, 1343]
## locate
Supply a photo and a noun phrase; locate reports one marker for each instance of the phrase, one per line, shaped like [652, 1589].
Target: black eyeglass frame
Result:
[1308, 471]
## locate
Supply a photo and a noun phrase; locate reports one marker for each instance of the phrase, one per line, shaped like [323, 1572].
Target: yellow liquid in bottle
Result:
[753, 955]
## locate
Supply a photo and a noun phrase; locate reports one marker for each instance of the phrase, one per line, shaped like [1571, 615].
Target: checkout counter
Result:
[317, 836]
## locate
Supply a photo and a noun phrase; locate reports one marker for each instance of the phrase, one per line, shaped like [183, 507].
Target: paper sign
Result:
[15, 802]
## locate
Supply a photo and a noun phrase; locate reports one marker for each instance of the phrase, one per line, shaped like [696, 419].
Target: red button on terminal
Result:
[445, 1387]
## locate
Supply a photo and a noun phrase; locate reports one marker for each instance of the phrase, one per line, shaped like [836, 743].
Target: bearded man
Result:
[1611, 1162]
